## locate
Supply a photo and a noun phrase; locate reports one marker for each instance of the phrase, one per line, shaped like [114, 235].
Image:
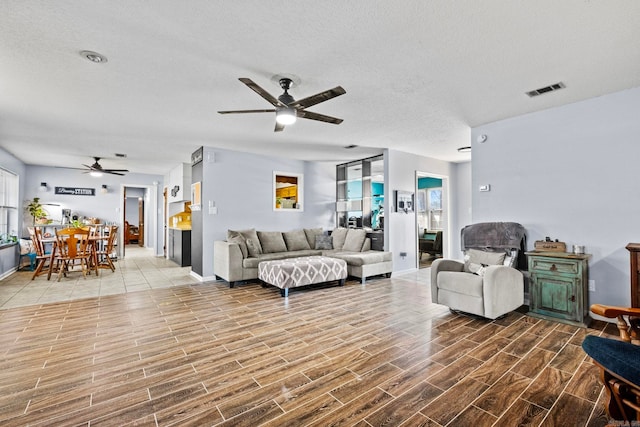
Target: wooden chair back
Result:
[104, 255]
[36, 237]
[73, 243]
[42, 257]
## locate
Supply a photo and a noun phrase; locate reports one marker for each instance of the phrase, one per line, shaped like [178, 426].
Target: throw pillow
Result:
[251, 239]
[354, 240]
[296, 240]
[338, 236]
[26, 247]
[271, 242]
[323, 242]
[474, 259]
[311, 234]
[241, 242]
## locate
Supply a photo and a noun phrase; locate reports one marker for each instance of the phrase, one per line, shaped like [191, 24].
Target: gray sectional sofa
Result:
[237, 258]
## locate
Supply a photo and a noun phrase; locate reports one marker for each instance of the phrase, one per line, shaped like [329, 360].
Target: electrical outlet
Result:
[403, 254]
[592, 285]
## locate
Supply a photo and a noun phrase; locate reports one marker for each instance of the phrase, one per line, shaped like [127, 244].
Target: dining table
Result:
[94, 241]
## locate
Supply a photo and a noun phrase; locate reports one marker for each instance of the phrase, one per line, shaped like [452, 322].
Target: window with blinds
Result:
[9, 191]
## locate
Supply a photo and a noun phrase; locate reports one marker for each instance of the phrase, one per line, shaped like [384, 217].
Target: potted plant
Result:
[37, 212]
[278, 202]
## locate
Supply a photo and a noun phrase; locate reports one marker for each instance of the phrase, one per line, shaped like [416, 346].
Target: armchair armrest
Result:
[612, 311]
[442, 265]
[503, 289]
[629, 329]
[227, 261]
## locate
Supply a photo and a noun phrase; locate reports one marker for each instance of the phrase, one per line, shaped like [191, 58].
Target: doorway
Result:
[431, 217]
[138, 204]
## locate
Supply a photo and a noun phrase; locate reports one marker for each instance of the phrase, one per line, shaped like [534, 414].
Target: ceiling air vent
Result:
[546, 89]
[121, 155]
[350, 147]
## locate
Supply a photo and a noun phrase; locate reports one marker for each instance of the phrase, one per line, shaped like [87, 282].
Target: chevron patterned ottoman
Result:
[294, 272]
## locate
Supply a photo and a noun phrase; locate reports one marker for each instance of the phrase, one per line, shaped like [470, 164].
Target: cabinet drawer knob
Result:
[553, 267]
[573, 298]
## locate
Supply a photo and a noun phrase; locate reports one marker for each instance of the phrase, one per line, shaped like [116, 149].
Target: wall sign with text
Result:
[75, 191]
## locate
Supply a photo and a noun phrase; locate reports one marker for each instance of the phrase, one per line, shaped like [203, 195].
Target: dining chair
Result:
[42, 257]
[105, 252]
[72, 244]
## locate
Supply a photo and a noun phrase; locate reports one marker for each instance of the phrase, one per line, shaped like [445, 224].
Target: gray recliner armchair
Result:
[486, 283]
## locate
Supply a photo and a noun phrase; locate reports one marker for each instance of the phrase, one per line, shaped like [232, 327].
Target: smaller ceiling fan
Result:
[96, 169]
[287, 108]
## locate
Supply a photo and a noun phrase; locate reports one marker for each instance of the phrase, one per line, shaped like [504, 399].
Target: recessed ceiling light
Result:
[464, 149]
[94, 56]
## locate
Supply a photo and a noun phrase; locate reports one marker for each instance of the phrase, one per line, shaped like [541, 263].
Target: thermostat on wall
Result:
[485, 187]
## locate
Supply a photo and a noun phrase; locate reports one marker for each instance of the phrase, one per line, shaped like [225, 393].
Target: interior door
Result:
[141, 221]
[164, 222]
[124, 215]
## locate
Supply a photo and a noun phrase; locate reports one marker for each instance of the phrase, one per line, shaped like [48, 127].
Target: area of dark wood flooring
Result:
[379, 354]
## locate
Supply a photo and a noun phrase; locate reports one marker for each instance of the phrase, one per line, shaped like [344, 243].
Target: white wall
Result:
[107, 207]
[462, 194]
[568, 173]
[131, 210]
[241, 186]
[400, 228]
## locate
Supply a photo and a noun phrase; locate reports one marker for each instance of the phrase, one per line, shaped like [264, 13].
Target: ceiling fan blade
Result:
[319, 97]
[279, 127]
[246, 111]
[263, 93]
[113, 173]
[115, 170]
[319, 117]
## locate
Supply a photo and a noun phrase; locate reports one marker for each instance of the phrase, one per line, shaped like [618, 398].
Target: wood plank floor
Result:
[379, 354]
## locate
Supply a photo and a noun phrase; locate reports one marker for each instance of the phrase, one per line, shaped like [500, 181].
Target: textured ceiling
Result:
[418, 74]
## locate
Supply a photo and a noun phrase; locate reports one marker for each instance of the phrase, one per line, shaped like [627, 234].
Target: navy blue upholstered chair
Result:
[619, 361]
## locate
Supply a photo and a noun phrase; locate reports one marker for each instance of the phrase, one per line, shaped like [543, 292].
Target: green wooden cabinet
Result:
[558, 287]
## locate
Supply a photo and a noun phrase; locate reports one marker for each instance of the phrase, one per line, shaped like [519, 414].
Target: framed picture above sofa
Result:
[288, 192]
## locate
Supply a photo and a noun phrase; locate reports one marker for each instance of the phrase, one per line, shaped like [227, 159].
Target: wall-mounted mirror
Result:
[288, 191]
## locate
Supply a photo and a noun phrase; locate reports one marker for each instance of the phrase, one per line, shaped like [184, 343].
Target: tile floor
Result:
[139, 271]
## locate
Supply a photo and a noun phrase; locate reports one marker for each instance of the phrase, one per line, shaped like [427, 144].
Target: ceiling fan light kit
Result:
[287, 109]
[286, 116]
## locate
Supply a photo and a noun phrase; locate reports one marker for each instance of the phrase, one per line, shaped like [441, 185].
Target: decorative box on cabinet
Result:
[558, 288]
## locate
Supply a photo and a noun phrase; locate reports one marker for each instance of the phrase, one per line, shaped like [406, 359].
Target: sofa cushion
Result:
[296, 240]
[475, 259]
[323, 242]
[251, 240]
[311, 234]
[271, 242]
[354, 240]
[360, 258]
[241, 242]
[338, 236]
